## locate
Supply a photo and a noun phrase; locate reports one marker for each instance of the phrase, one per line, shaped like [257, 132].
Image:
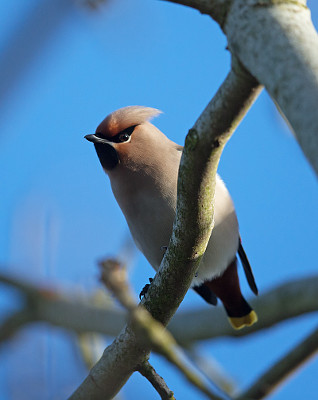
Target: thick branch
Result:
[191, 232]
[280, 371]
[277, 42]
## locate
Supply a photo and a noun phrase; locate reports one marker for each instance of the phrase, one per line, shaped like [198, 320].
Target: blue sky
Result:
[63, 75]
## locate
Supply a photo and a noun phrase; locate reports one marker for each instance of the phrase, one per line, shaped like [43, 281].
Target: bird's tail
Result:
[241, 315]
[227, 289]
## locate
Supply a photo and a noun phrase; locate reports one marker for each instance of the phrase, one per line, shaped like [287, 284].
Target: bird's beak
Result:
[105, 150]
[95, 139]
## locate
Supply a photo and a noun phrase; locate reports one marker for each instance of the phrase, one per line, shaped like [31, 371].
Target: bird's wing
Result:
[207, 294]
[247, 268]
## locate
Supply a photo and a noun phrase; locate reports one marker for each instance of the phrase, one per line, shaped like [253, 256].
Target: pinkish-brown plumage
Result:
[142, 165]
[124, 118]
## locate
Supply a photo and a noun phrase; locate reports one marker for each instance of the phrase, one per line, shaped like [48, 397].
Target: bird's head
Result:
[123, 135]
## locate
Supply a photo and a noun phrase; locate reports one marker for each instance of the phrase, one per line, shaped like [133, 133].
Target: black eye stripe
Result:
[120, 136]
[126, 132]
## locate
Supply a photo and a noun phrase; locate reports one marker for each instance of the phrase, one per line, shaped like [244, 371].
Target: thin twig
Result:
[212, 370]
[148, 371]
[282, 369]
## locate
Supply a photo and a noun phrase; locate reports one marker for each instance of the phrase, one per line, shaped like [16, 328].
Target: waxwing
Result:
[142, 164]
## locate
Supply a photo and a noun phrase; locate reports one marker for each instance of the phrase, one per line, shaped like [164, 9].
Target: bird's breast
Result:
[150, 223]
[149, 209]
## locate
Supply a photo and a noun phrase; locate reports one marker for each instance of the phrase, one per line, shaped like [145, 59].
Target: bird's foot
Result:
[164, 248]
[145, 289]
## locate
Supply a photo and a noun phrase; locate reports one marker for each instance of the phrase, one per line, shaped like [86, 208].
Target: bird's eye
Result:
[123, 137]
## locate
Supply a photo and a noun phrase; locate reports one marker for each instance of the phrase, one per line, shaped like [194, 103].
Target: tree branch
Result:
[75, 313]
[286, 301]
[149, 331]
[194, 220]
[191, 232]
[14, 323]
[156, 380]
[217, 9]
[71, 312]
[212, 370]
[281, 370]
[278, 44]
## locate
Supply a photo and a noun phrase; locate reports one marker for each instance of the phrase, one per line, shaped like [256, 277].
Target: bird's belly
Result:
[152, 236]
[220, 252]
[151, 233]
[150, 223]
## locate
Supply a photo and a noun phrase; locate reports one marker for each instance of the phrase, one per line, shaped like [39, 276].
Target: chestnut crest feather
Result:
[124, 118]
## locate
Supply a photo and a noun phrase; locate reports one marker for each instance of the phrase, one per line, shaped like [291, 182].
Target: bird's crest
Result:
[124, 118]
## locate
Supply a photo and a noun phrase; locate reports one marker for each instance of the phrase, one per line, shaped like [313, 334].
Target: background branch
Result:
[70, 311]
[76, 313]
[286, 301]
[281, 370]
[15, 322]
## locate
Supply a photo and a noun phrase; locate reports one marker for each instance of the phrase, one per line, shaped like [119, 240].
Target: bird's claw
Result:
[145, 289]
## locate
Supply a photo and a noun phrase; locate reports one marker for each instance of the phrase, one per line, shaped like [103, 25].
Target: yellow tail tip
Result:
[247, 320]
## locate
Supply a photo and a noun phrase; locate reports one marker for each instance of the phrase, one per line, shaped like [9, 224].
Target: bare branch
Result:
[113, 275]
[217, 9]
[212, 370]
[14, 323]
[77, 314]
[69, 311]
[277, 42]
[156, 380]
[149, 331]
[172, 355]
[282, 369]
[286, 301]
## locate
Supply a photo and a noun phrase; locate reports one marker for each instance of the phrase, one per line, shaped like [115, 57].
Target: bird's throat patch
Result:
[107, 155]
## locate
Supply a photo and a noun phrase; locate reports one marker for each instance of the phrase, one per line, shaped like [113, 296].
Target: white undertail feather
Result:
[127, 117]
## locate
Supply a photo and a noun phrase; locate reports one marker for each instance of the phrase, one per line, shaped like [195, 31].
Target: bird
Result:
[142, 164]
